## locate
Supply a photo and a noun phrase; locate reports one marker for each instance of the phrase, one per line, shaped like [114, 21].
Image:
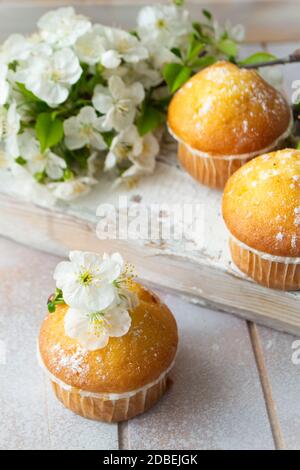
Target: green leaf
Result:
[13, 65]
[149, 119]
[298, 145]
[51, 307]
[228, 47]
[26, 93]
[258, 58]
[20, 160]
[181, 78]
[204, 61]
[207, 14]
[108, 137]
[49, 130]
[68, 174]
[40, 176]
[176, 75]
[177, 52]
[194, 49]
[170, 72]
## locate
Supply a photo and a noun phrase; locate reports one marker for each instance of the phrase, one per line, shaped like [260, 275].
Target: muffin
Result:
[108, 357]
[261, 209]
[224, 116]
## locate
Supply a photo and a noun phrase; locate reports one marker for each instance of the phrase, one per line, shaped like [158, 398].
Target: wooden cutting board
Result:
[203, 274]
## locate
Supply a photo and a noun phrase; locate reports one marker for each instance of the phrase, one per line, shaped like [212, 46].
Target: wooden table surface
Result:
[235, 386]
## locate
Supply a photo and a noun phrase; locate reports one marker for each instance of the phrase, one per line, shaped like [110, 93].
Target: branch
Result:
[294, 57]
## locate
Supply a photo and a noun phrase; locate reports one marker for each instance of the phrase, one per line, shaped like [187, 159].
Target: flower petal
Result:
[119, 321]
[78, 327]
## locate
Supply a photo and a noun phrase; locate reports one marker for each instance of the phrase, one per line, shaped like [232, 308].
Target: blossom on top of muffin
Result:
[97, 291]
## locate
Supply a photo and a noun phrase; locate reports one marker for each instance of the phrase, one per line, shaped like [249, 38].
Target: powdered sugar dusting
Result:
[70, 363]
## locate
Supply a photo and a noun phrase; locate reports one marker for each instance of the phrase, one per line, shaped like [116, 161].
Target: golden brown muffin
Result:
[222, 117]
[124, 378]
[261, 209]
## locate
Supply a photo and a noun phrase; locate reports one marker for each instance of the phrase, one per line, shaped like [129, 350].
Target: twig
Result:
[294, 57]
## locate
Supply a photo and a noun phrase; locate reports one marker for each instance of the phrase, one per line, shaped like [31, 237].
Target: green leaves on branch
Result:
[176, 75]
[49, 130]
[28, 95]
[149, 119]
[258, 58]
[208, 15]
[228, 47]
[55, 299]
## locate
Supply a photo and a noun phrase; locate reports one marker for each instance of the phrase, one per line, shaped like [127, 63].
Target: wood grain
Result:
[284, 379]
[31, 417]
[266, 386]
[198, 279]
[216, 400]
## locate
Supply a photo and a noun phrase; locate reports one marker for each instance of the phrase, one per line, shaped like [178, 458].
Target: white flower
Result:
[88, 281]
[71, 189]
[16, 47]
[50, 78]
[4, 86]
[164, 24]
[144, 163]
[127, 145]
[146, 74]
[38, 162]
[160, 55]
[90, 47]
[63, 26]
[93, 330]
[9, 128]
[84, 129]
[4, 162]
[118, 102]
[234, 32]
[121, 45]
[25, 186]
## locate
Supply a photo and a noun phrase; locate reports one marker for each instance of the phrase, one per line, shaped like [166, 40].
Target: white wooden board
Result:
[203, 274]
[216, 400]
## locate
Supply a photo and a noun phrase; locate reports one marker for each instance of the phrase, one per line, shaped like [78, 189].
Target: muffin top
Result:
[224, 110]
[261, 203]
[126, 363]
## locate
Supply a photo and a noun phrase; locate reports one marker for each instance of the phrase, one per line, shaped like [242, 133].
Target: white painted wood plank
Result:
[285, 382]
[31, 418]
[23, 423]
[264, 21]
[191, 273]
[69, 431]
[216, 400]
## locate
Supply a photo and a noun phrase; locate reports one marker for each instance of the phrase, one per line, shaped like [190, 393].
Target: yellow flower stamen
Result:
[85, 278]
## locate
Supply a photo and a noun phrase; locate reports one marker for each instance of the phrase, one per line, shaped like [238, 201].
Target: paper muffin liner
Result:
[111, 411]
[214, 171]
[265, 271]
[108, 407]
[211, 171]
